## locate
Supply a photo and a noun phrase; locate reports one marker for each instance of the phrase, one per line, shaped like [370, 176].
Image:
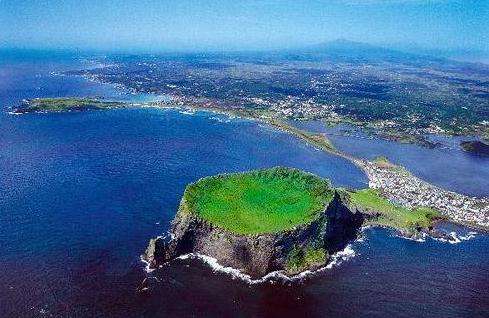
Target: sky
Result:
[152, 25]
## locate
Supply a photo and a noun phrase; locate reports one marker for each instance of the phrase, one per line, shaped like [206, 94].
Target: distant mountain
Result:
[350, 50]
[343, 45]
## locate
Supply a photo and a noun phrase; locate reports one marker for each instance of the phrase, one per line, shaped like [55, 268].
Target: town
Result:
[400, 186]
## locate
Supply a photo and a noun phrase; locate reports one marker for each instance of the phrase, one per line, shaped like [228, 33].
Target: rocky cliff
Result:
[305, 247]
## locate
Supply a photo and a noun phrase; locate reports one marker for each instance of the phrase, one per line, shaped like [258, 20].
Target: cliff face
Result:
[344, 220]
[305, 247]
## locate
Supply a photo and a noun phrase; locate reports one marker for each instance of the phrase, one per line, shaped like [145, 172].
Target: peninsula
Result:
[65, 104]
[277, 219]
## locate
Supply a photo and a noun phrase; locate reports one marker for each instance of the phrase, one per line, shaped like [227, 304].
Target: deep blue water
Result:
[81, 194]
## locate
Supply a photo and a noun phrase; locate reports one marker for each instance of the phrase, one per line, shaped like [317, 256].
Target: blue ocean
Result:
[82, 193]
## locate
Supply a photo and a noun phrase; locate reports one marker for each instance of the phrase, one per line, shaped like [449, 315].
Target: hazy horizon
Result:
[158, 26]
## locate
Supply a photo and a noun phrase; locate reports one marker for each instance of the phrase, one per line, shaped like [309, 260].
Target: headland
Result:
[278, 219]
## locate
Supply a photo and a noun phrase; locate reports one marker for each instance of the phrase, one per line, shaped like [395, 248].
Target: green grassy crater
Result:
[260, 201]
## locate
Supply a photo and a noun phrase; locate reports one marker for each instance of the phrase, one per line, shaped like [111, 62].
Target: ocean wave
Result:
[187, 112]
[455, 238]
[468, 236]
[147, 267]
[344, 255]
[451, 237]
[219, 119]
[362, 235]
[336, 260]
[233, 272]
[421, 238]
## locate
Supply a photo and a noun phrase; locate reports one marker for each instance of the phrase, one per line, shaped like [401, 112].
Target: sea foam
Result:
[336, 259]
[456, 238]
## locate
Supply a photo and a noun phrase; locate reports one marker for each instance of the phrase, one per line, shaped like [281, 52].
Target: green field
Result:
[390, 214]
[260, 201]
[61, 104]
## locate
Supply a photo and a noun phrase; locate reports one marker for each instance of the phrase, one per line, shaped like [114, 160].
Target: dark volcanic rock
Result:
[475, 147]
[258, 255]
[344, 220]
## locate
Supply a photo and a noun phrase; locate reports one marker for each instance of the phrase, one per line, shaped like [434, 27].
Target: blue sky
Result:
[196, 25]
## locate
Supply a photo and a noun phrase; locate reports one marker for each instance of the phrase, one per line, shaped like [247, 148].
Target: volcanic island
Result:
[276, 220]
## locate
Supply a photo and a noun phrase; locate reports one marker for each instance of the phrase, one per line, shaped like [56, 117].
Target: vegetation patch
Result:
[318, 140]
[393, 215]
[383, 162]
[65, 104]
[260, 201]
[300, 259]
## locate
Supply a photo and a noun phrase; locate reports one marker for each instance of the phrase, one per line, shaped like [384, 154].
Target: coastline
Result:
[344, 255]
[365, 165]
[396, 184]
